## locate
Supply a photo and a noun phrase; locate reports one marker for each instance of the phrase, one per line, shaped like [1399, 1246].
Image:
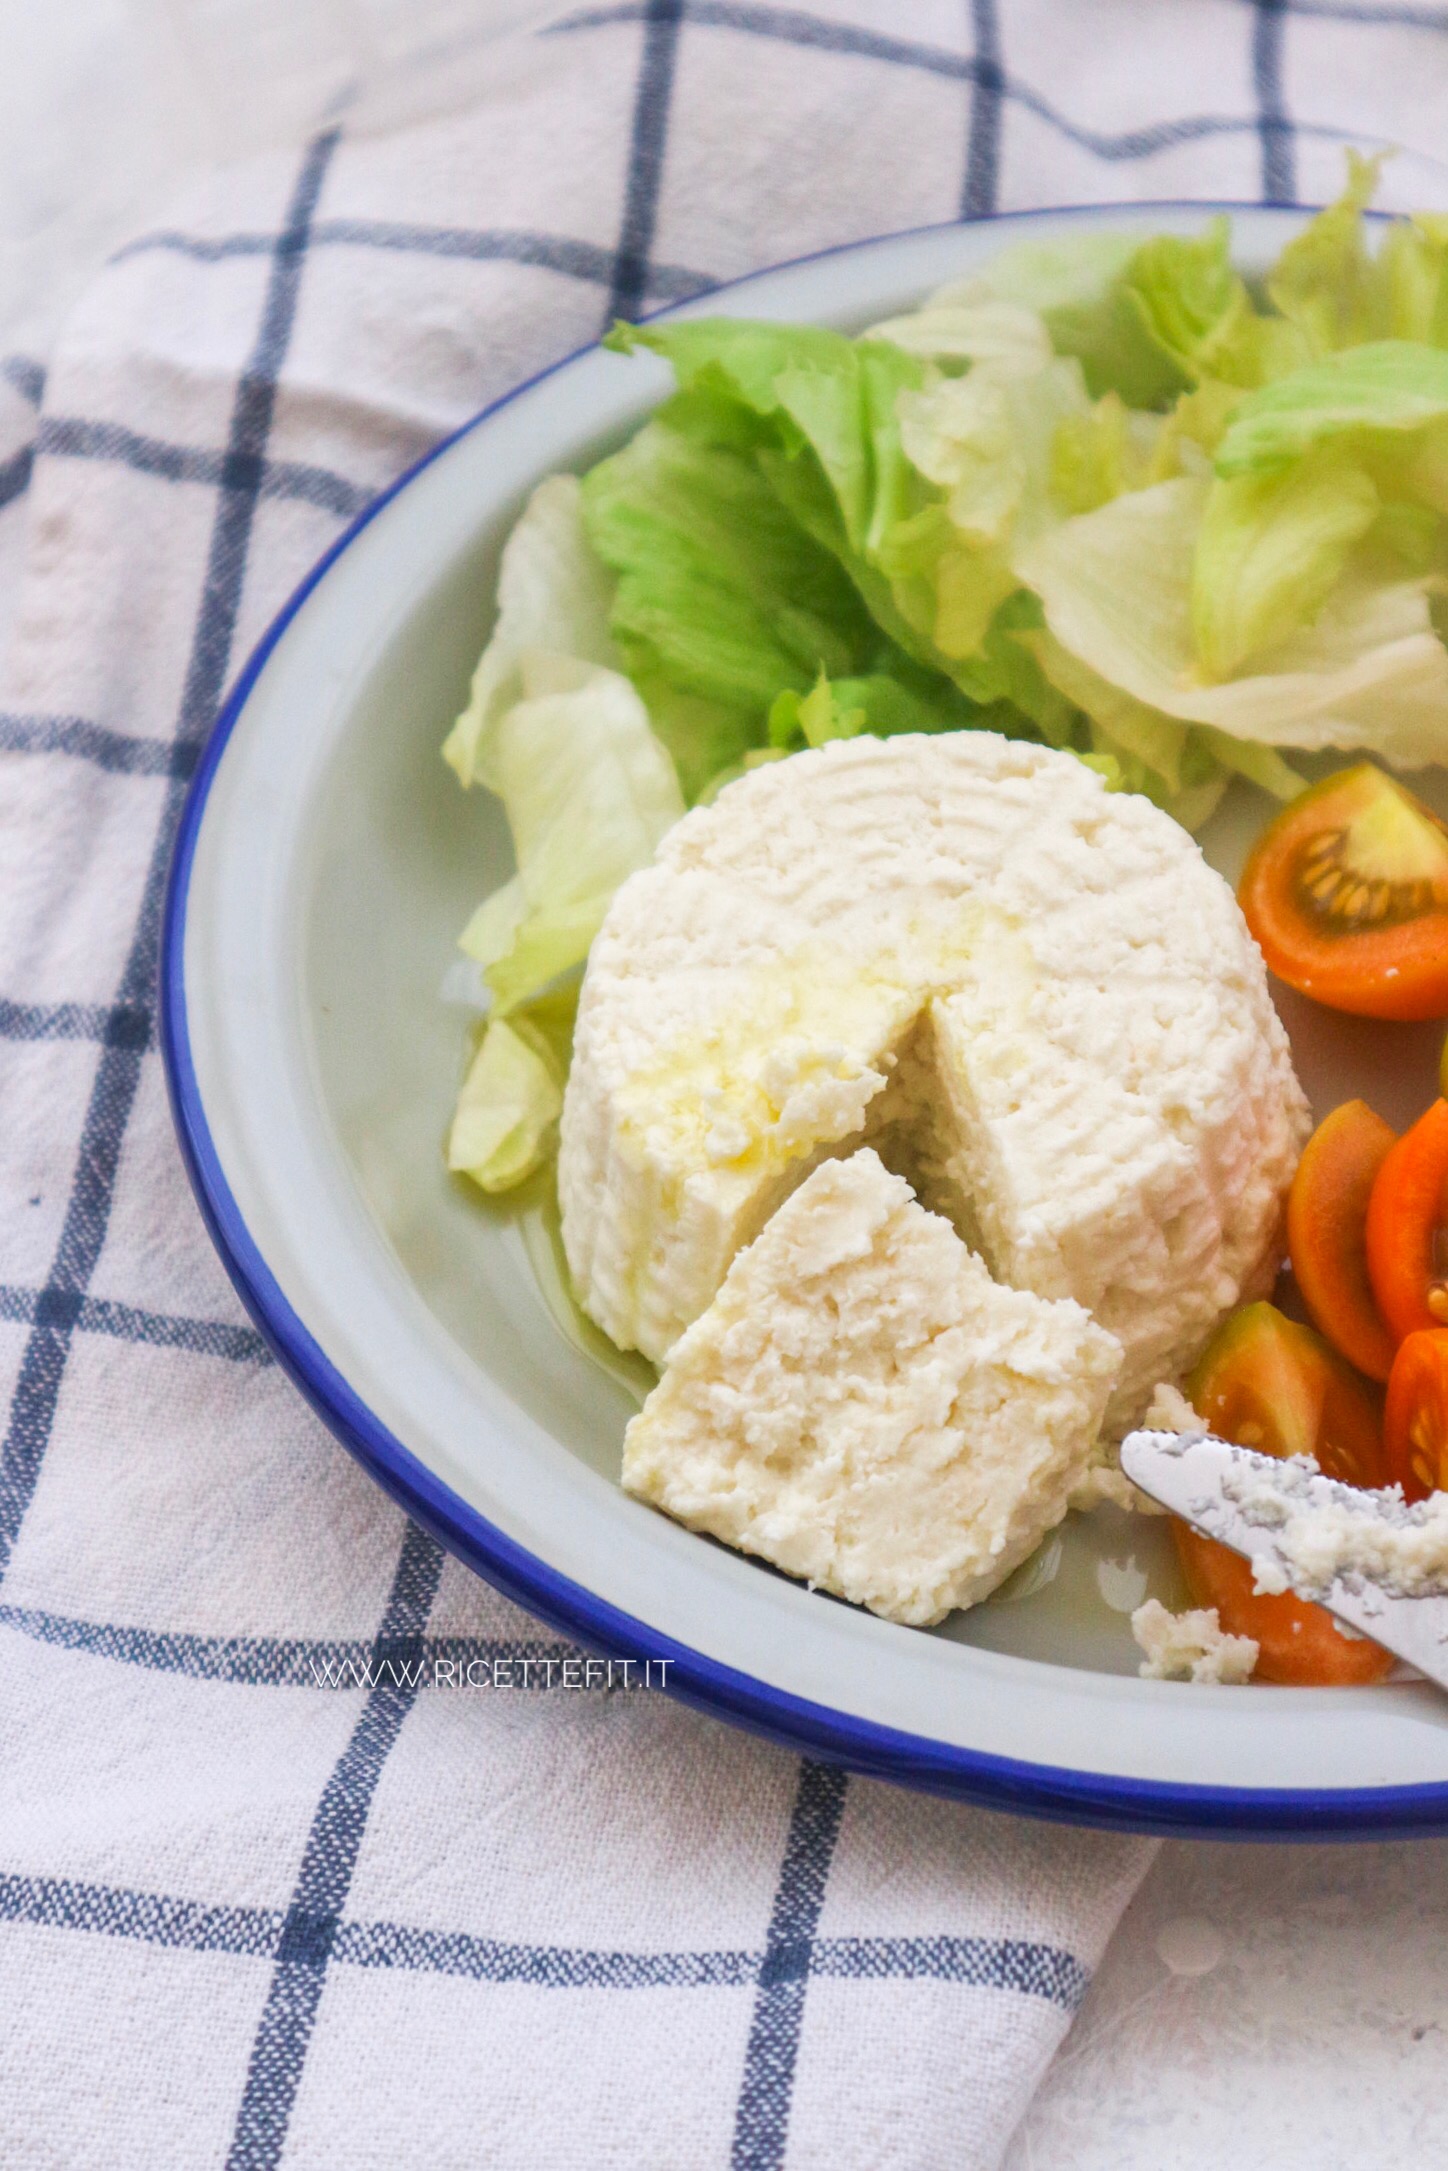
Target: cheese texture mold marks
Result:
[1032, 996]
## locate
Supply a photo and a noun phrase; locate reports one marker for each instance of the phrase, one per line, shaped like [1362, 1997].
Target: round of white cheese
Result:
[1032, 995]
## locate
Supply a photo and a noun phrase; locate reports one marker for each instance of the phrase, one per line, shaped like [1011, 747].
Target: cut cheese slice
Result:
[864, 1407]
[1035, 996]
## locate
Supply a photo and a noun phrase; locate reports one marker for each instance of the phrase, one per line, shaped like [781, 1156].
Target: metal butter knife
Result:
[1185, 1472]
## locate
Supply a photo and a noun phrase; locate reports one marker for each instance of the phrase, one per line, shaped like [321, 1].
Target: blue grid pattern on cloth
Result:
[315, 1933]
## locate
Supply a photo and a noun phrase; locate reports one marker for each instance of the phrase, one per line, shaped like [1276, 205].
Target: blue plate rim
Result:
[1051, 1792]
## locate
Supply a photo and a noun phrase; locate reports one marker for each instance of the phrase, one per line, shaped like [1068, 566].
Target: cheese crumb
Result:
[1105, 1480]
[1190, 1646]
[864, 1407]
[1325, 1532]
[1170, 1411]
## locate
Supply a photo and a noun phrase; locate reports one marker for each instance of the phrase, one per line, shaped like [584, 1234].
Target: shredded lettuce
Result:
[770, 525]
[512, 1095]
[1116, 589]
[815, 392]
[1347, 401]
[1077, 289]
[588, 791]
[1326, 282]
[554, 598]
[1269, 552]
[971, 326]
[879, 704]
[1192, 303]
[564, 740]
[722, 597]
[988, 441]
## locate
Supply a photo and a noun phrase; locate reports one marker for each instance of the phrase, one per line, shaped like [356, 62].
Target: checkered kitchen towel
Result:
[253, 1911]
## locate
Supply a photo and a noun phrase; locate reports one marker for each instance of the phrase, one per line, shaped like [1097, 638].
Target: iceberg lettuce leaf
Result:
[1383, 390]
[822, 425]
[1336, 292]
[1269, 552]
[1326, 281]
[1108, 449]
[881, 704]
[1413, 268]
[1195, 799]
[1195, 306]
[826, 712]
[1157, 742]
[588, 791]
[989, 442]
[512, 1096]
[1116, 585]
[702, 736]
[974, 327]
[896, 593]
[895, 493]
[824, 394]
[721, 594]
[1183, 767]
[1077, 288]
[1006, 677]
[738, 359]
[1260, 765]
[554, 596]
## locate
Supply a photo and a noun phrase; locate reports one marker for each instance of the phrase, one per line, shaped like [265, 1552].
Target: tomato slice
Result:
[1300, 1645]
[1327, 1211]
[1407, 1228]
[1269, 1383]
[1415, 1422]
[1275, 1386]
[1347, 894]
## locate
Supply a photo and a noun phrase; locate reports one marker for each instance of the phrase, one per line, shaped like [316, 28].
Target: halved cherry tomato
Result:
[1275, 1386]
[1327, 1211]
[1300, 1645]
[1415, 1421]
[1269, 1383]
[1407, 1228]
[1347, 893]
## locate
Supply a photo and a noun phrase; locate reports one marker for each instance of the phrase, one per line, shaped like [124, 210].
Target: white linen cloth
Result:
[254, 1911]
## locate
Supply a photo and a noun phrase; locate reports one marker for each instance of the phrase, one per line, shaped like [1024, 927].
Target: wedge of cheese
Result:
[864, 1407]
[1034, 996]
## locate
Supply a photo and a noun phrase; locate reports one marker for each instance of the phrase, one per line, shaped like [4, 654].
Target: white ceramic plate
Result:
[326, 864]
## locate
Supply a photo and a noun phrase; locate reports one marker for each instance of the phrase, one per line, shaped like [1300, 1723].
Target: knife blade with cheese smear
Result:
[1376, 1564]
